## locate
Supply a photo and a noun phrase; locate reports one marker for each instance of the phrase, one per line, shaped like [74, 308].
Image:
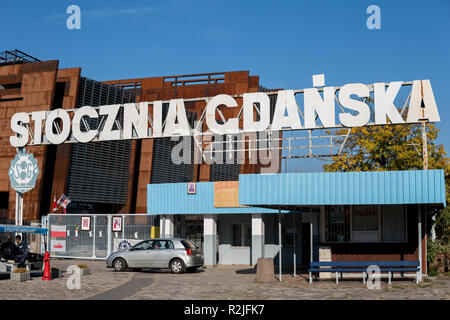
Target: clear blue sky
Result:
[284, 42]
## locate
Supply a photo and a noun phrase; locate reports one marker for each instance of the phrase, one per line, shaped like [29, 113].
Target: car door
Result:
[139, 255]
[162, 253]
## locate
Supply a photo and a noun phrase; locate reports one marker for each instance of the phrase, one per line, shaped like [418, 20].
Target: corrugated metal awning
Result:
[343, 188]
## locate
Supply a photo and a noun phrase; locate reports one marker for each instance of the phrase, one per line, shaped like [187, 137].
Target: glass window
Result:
[189, 244]
[290, 237]
[337, 224]
[237, 235]
[369, 223]
[241, 235]
[365, 224]
[158, 244]
[248, 234]
[365, 218]
[145, 245]
[393, 221]
[166, 244]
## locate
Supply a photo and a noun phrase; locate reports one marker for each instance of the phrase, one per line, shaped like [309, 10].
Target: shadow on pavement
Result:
[247, 271]
[163, 271]
[127, 289]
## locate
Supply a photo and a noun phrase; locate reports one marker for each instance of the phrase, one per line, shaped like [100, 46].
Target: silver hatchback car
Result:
[178, 255]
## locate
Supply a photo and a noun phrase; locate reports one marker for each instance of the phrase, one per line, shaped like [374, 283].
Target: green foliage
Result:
[432, 250]
[390, 147]
[433, 270]
[441, 245]
[442, 225]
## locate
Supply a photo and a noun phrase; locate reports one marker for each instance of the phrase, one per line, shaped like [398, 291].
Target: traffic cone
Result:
[47, 272]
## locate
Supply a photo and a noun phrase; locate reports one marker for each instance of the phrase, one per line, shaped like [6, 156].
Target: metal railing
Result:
[15, 57]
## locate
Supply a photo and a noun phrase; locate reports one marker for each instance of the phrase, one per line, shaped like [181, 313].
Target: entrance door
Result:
[194, 231]
[306, 244]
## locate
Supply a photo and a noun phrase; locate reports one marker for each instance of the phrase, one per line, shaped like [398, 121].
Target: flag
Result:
[64, 202]
[58, 231]
[55, 204]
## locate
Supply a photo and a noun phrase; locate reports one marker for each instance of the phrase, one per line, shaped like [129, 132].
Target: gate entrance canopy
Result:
[22, 229]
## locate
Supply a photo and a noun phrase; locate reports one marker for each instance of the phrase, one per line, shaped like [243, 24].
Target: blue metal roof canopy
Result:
[172, 198]
[342, 188]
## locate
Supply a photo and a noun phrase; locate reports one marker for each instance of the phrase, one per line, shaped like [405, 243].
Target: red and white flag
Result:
[64, 202]
[58, 231]
[55, 204]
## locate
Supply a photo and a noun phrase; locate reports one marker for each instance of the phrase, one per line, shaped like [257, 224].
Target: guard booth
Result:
[95, 236]
[34, 261]
[297, 218]
[34, 240]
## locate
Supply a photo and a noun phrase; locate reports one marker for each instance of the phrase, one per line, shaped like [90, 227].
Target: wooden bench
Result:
[362, 266]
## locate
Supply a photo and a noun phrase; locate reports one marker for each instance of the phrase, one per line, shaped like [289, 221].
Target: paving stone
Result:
[222, 282]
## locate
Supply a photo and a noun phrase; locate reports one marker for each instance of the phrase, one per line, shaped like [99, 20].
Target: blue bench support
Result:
[362, 266]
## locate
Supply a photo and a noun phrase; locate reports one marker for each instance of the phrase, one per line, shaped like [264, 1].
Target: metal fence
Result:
[68, 237]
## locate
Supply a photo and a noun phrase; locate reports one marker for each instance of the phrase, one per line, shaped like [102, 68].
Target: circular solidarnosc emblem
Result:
[124, 245]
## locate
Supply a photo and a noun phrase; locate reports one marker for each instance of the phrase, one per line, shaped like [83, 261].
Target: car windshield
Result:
[188, 244]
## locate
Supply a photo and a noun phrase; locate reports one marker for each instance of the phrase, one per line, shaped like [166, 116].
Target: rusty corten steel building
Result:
[109, 176]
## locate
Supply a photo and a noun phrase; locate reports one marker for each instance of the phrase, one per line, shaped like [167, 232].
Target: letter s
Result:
[17, 125]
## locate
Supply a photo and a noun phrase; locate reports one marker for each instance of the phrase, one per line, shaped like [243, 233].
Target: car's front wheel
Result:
[177, 266]
[119, 264]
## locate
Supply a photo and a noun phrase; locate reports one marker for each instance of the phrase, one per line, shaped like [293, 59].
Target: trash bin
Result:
[265, 270]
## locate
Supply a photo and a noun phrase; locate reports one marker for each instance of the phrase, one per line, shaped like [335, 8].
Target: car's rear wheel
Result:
[177, 266]
[119, 264]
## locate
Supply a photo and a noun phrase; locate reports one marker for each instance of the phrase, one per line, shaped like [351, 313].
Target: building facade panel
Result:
[27, 87]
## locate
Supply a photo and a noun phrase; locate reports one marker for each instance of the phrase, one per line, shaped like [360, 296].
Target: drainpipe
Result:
[311, 235]
[295, 246]
[433, 231]
[419, 231]
[279, 239]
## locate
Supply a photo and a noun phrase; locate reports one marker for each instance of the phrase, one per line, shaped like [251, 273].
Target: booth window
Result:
[241, 235]
[369, 223]
[365, 223]
[393, 223]
[337, 224]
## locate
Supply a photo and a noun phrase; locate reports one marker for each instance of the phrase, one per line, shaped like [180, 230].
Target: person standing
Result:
[21, 250]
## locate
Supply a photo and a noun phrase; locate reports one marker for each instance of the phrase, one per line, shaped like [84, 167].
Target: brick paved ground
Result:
[100, 280]
[223, 282]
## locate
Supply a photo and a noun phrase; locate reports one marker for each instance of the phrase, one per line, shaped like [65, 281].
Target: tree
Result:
[390, 147]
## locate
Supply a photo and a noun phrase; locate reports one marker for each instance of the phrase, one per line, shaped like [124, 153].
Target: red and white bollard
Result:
[47, 272]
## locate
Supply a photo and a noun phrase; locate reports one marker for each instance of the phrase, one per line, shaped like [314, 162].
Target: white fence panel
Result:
[96, 240]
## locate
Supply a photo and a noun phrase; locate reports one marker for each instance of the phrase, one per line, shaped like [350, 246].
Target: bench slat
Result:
[339, 270]
[365, 263]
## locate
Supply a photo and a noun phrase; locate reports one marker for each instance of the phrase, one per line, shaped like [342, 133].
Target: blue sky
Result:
[284, 42]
